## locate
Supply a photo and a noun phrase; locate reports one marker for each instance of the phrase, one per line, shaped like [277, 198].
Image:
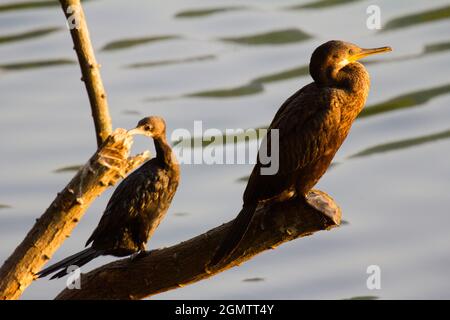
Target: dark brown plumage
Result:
[136, 207]
[312, 124]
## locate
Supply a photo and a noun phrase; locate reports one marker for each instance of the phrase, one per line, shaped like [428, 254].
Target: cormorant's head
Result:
[329, 58]
[153, 127]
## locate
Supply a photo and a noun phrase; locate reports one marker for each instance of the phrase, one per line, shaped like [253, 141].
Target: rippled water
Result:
[231, 64]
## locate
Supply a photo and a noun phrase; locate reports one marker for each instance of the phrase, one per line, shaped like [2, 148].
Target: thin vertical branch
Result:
[90, 69]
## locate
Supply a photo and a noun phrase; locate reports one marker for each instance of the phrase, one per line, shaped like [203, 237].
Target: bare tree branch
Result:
[105, 167]
[170, 268]
[108, 164]
[90, 69]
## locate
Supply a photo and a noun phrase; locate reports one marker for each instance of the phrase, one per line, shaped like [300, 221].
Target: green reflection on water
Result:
[402, 144]
[255, 279]
[225, 138]
[284, 75]
[16, 66]
[132, 42]
[72, 168]
[27, 5]
[418, 18]
[171, 61]
[27, 35]
[255, 86]
[243, 179]
[436, 47]
[131, 112]
[322, 4]
[408, 100]
[206, 12]
[272, 37]
[251, 88]
[181, 214]
[363, 298]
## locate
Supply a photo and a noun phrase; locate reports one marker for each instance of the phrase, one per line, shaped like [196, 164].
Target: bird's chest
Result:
[351, 104]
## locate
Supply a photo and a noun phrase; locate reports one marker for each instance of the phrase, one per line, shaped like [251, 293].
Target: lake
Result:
[231, 64]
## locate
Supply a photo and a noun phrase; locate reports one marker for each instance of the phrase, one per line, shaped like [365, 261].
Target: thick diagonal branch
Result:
[109, 164]
[90, 69]
[184, 263]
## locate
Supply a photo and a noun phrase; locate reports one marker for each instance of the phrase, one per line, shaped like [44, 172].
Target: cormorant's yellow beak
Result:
[368, 52]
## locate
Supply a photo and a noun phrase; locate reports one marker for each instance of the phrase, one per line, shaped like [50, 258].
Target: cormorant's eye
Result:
[147, 127]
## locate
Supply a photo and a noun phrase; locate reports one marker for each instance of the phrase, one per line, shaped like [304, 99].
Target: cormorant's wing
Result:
[304, 122]
[304, 127]
[135, 192]
[289, 100]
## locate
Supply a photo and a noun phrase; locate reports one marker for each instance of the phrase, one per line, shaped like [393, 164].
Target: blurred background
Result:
[231, 64]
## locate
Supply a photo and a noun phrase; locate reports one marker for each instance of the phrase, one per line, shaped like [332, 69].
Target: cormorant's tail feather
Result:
[79, 259]
[234, 235]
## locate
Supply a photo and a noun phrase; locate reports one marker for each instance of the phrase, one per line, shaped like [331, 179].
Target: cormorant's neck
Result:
[353, 78]
[354, 83]
[163, 150]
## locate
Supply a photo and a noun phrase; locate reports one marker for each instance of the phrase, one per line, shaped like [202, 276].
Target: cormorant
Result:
[136, 207]
[312, 124]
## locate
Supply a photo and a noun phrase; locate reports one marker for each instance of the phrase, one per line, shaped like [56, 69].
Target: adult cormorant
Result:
[312, 125]
[136, 207]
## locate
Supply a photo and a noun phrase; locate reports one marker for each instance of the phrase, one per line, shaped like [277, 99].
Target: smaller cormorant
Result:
[312, 124]
[136, 207]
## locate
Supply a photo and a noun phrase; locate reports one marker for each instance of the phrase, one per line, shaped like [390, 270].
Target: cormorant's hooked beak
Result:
[139, 130]
[368, 52]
